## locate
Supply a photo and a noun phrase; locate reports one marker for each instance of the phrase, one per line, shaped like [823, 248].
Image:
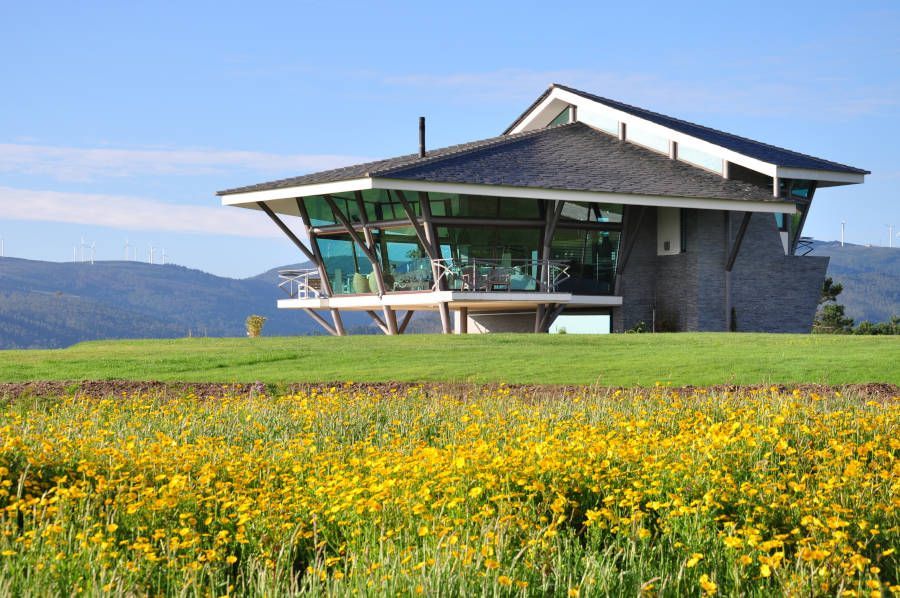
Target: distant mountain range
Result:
[50, 304]
[870, 275]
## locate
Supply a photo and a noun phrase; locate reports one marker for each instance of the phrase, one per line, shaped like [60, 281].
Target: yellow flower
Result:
[709, 587]
[504, 580]
[695, 558]
[764, 570]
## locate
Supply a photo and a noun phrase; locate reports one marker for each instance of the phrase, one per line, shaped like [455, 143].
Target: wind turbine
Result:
[164, 256]
[151, 254]
[127, 245]
[93, 248]
[2, 248]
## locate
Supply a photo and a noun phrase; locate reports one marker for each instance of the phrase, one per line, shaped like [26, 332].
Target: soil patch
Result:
[106, 388]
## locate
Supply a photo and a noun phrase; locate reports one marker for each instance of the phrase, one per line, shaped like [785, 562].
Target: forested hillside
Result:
[48, 304]
[870, 275]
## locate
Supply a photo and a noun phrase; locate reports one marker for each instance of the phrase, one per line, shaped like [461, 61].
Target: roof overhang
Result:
[282, 200]
[554, 100]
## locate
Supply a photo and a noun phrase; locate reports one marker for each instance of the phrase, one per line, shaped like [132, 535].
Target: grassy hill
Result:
[870, 275]
[630, 359]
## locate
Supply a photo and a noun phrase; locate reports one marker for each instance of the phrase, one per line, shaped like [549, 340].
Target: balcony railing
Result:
[301, 284]
[483, 275]
[474, 275]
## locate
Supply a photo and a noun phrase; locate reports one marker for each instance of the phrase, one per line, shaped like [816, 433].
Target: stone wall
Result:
[770, 292]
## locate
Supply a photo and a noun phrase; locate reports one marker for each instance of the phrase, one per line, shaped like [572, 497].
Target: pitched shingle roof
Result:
[742, 145]
[570, 157]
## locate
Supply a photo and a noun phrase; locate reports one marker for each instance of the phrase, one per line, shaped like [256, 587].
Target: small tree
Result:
[831, 320]
[830, 317]
[830, 291]
[254, 325]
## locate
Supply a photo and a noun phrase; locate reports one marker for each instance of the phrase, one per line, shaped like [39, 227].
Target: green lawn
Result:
[609, 360]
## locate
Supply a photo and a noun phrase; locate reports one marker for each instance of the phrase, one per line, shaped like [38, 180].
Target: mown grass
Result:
[360, 491]
[608, 360]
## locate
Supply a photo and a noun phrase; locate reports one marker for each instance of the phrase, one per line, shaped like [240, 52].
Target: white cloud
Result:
[85, 164]
[132, 213]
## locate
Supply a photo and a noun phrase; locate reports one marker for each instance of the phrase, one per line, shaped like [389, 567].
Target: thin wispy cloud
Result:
[87, 164]
[735, 95]
[131, 213]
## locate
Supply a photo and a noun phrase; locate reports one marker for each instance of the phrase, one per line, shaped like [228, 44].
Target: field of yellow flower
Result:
[414, 490]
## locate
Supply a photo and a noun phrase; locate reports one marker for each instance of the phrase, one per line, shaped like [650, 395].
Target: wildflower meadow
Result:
[412, 490]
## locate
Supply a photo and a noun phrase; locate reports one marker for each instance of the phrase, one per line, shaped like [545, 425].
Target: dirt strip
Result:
[106, 388]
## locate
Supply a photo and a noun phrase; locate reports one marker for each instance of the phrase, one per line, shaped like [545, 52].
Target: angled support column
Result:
[539, 313]
[390, 316]
[313, 256]
[369, 253]
[729, 263]
[321, 322]
[405, 321]
[551, 313]
[288, 232]
[630, 235]
[551, 218]
[320, 264]
[417, 226]
[378, 321]
[808, 204]
[431, 239]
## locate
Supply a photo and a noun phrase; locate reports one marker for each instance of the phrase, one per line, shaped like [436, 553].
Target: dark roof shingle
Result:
[571, 157]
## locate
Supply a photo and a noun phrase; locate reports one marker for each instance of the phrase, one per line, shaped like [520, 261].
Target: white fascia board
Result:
[533, 120]
[829, 176]
[249, 199]
[774, 207]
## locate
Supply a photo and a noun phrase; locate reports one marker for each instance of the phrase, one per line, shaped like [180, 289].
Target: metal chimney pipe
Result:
[421, 136]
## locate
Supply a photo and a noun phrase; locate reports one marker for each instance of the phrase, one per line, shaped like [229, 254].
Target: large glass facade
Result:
[499, 251]
[348, 268]
[590, 258]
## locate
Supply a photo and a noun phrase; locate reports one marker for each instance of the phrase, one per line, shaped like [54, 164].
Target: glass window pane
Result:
[562, 118]
[648, 139]
[347, 267]
[591, 212]
[320, 213]
[699, 158]
[405, 264]
[591, 259]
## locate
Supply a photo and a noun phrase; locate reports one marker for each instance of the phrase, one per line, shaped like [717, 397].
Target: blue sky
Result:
[119, 121]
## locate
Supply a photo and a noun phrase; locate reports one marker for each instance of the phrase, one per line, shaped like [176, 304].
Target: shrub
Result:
[254, 325]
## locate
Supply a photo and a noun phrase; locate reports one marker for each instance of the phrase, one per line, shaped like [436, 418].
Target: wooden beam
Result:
[290, 234]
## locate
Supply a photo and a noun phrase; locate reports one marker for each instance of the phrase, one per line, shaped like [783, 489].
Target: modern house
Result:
[584, 205]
